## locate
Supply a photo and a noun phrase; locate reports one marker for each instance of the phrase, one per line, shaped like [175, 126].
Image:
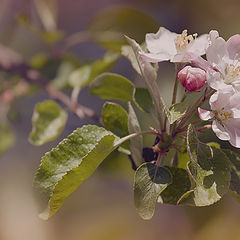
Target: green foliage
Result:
[85, 74]
[109, 26]
[48, 121]
[180, 184]
[112, 86]
[149, 182]
[235, 171]
[136, 144]
[176, 111]
[209, 168]
[65, 167]
[143, 100]
[115, 119]
[6, 138]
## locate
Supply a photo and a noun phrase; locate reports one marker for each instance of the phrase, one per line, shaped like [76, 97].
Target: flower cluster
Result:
[220, 70]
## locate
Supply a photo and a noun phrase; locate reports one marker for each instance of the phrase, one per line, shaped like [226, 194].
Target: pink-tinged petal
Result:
[219, 100]
[161, 42]
[216, 52]
[201, 63]
[233, 46]
[214, 79]
[236, 113]
[213, 35]
[220, 131]
[155, 57]
[205, 115]
[184, 57]
[199, 45]
[233, 127]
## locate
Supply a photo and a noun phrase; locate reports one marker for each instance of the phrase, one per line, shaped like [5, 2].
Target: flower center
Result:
[223, 115]
[233, 71]
[182, 40]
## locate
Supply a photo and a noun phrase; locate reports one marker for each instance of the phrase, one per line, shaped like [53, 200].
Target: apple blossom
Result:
[166, 45]
[224, 57]
[225, 114]
[192, 79]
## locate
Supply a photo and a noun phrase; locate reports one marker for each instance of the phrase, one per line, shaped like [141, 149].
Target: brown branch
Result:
[12, 62]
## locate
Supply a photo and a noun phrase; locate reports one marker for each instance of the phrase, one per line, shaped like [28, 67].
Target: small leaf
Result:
[179, 186]
[176, 111]
[112, 86]
[128, 52]
[149, 75]
[80, 76]
[115, 119]
[109, 26]
[150, 180]
[63, 72]
[85, 74]
[48, 122]
[210, 170]
[143, 100]
[65, 167]
[136, 144]
[6, 138]
[235, 171]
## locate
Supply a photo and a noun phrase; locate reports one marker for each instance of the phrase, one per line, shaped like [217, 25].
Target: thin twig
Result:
[11, 62]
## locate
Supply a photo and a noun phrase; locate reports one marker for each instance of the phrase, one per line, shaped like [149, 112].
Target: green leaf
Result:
[115, 119]
[65, 167]
[109, 26]
[128, 52]
[136, 144]
[183, 159]
[143, 100]
[85, 74]
[112, 86]
[63, 72]
[6, 138]
[235, 171]
[149, 75]
[180, 185]
[48, 122]
[149, 181]
[209, 168]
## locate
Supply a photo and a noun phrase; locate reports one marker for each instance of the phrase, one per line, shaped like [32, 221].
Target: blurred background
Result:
[48, 33]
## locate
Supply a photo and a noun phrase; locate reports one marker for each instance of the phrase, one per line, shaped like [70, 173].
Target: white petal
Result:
[199, 45]
[204, 114]
[216, 53]
[213, 35]
[233, 127]
[161, 42]
[219, 100]
[214, 79]
[236, 112]
[155, 57]
[220, 131]
[233, 46]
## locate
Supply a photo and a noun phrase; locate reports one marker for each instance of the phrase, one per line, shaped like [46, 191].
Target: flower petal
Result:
[220, 131]
[215, 80]
[161, 42]
[216, 52]
[205, 115]
[233, 46]
[155, 57]
[233, 127]
[199, 45]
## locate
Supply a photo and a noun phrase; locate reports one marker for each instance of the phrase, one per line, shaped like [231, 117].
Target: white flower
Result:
[166, 45]
[225, 114]
[224, 57]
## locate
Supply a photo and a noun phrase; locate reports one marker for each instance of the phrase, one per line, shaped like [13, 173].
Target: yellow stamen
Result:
[182, 40]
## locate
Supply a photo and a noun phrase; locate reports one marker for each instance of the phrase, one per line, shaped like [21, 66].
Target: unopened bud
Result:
[191, 78]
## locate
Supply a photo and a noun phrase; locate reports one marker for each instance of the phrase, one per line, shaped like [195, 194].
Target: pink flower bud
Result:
[191, 78]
